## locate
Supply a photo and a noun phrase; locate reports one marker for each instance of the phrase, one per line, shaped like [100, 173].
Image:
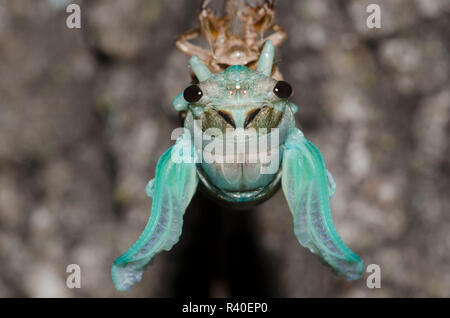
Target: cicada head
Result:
[237, 98]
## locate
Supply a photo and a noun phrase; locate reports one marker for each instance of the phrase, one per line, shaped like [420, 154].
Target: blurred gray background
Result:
[86, 113]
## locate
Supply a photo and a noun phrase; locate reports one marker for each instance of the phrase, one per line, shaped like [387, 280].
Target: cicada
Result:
[226, 105]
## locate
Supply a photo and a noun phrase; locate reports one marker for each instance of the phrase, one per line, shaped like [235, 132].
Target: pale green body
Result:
[240, 182]
[307, 185]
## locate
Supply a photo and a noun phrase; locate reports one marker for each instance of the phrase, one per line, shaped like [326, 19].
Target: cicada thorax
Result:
[241, 155]
[264, 118]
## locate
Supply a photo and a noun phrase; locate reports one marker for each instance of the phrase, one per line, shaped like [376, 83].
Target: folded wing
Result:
[307, 187]
[172, 190]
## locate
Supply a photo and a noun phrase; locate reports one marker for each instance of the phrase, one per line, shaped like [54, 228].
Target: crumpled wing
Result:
[306, 186]
[174, 186]
[331, 184]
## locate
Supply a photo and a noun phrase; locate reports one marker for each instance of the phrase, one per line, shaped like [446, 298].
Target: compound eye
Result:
[283, 89]
[192, 94]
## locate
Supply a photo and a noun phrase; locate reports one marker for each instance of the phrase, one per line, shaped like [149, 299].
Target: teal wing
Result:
[331, 184]
[172, 190]
[307, 187]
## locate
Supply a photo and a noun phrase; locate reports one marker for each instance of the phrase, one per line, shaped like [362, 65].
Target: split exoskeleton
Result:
[237, 38]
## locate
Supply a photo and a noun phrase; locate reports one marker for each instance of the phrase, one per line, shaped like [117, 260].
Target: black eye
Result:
[283, 89]
[192, 94]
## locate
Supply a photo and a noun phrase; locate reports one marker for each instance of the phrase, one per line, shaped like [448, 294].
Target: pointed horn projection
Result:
[265, 61]
[200, 70]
